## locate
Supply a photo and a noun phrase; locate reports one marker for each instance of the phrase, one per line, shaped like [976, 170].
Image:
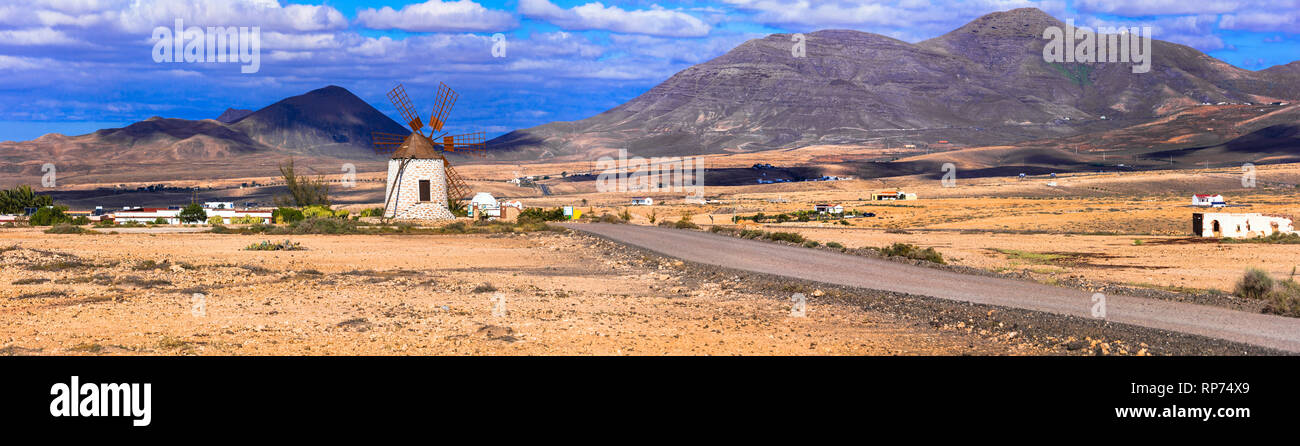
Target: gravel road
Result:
[1263, 330]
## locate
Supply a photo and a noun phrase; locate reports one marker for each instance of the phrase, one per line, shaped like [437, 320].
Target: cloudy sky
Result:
[73, 66]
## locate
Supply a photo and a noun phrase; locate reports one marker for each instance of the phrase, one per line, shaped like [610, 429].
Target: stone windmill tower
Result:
[422, 185]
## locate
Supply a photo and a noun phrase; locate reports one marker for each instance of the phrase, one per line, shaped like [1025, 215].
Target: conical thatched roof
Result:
[417, 146]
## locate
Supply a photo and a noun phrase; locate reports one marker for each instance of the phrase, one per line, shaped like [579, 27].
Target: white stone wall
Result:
[405, 204]
[1243, 225]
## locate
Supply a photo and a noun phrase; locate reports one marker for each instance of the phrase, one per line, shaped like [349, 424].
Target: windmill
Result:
[419, 162]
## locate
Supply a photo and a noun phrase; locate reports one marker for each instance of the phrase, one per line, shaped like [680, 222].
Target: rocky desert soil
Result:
[544, 293]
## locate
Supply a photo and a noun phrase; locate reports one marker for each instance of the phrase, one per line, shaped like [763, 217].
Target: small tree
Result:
[193, 213]
[303, 191]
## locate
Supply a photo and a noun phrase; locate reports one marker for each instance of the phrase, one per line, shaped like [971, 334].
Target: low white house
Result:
[825, 208]
[1206, 200]
[1239, 225]
[642, 201]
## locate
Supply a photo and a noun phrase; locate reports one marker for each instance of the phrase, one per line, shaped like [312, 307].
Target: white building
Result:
[417, 183]
[218, 205]
[1239, 225]
[642, 201]
[829, 208]
[486, 205]
[1205, 200]
[172, 216]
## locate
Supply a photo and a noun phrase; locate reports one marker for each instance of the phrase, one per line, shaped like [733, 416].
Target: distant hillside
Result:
[328, 125]
[232, 115]
[984, 83]
[328, 121]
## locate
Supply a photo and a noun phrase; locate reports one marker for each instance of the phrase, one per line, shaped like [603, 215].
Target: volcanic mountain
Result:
[328, 125]
[984, 83]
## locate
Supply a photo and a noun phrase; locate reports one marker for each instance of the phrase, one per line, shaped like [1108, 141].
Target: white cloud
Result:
[144, 15]
[36, 37]
[655, 21]
[437, 15]
[1284, 21]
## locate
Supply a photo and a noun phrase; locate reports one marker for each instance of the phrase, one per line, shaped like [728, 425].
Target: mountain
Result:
[984, 83]
[233, 114]
[327, 125]
[328, 121]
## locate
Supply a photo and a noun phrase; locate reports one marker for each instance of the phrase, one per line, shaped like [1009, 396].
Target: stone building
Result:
[1238, 225]
[417, 182]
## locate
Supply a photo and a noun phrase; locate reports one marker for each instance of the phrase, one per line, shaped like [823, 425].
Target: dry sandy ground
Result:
[1132, 229]
[409, 295]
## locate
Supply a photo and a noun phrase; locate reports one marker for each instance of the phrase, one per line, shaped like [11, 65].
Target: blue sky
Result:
[74, 66]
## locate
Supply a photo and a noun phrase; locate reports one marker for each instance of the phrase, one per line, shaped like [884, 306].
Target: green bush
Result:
[1255, 284]
[286, 215]
[319, 226]
[811, 244]
[14, 201]
[835, 245]
[372, 212]
[685, 224]
[81, 220]
[785, 237]
[193, 213]
[751, 233]
[216, 220]
[319, 211]
[272, 246]
[49, 216]
[540, 214]
[159, 221]
[912, 252]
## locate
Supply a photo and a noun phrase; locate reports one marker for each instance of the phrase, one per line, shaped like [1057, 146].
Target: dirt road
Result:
[763, 257]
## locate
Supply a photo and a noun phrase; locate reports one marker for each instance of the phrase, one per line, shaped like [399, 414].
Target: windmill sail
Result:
[403, 105]
[442, 109]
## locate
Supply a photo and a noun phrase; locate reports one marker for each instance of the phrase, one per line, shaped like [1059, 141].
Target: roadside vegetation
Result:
[1283, 297]
[267, 245]
[896, 250]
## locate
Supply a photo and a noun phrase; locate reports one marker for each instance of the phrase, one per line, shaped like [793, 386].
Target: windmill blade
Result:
[442, 109]
[403, 104]
[471, 143]
[386, 143]
[457, 190]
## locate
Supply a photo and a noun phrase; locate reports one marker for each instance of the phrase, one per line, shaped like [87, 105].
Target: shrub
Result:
[319, 226]
[1255, 284]
[1285, 299]
[834, 245]
[193, 213]
[912, 252]
[607, 218]
[49, 216]
[318, 211]
[785, 237]
[685, 224]
[626, 215]
[159, 221]
[246, 220]
[81, 220]
[215, 220]
[541, 214]
[65, 228]
[372, 212]
[484, 288]
[751, 233]
[811, 244]
[286, 215]
[267, 245]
